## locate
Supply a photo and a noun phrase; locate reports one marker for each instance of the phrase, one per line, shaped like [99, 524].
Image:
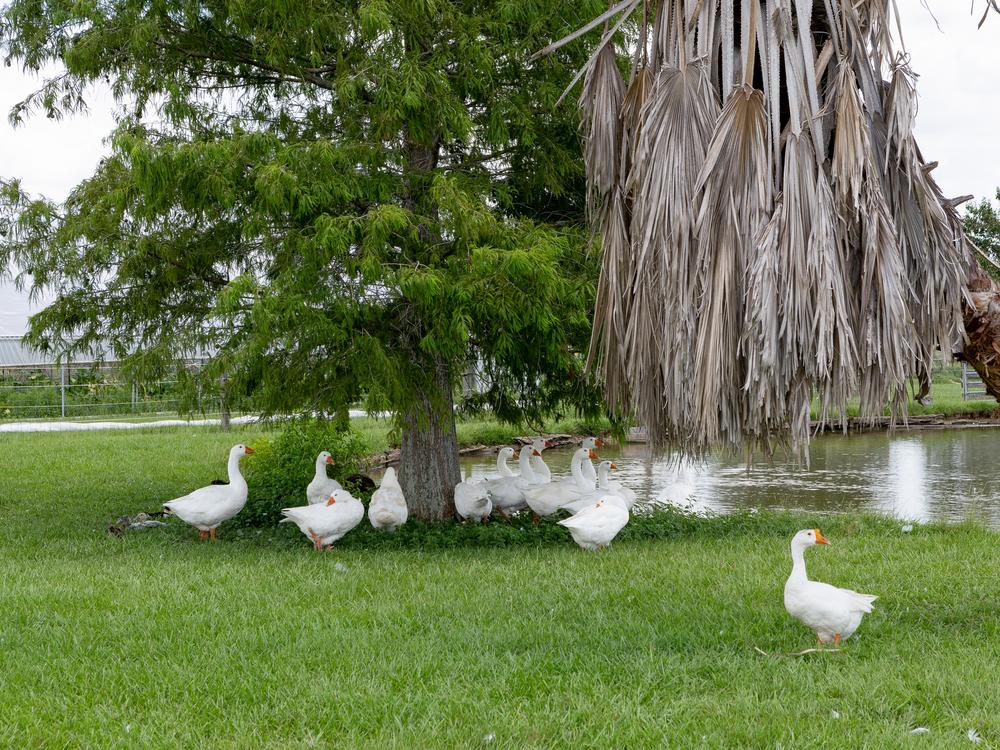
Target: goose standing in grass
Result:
[325, 523]
[538, 465]
[505, 491]
[321, 486]
[472, 501]
[546, 499]
[387, 510]
[207, 507]
[595, 526]
[832, 613]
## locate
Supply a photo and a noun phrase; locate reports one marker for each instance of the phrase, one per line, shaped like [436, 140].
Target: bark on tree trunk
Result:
[428, 465]
[982, 326]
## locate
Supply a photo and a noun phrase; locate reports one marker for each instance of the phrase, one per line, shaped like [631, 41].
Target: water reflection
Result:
[930, 475]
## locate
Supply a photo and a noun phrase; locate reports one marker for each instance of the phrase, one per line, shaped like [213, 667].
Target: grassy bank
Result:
[155, 641]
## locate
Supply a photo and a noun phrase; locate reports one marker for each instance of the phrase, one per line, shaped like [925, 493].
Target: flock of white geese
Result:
[598, 508]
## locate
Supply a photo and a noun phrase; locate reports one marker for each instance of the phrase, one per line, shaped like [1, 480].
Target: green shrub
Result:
[283, 466]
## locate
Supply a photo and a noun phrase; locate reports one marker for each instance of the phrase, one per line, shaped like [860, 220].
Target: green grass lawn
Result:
[154, 640]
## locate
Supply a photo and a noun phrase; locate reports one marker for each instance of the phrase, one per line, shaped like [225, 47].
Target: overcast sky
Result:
[958, 124]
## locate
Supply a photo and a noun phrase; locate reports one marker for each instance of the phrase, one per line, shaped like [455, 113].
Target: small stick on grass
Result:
[800, 653]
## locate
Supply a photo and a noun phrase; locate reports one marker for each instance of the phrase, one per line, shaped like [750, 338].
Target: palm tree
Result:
[771, 231]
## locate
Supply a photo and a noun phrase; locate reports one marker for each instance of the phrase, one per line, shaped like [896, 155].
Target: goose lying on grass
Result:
[321, 486]
[387, 510]
[326, 523]
[595, 526]
[207, 507]
[472, 501]
[832, 613]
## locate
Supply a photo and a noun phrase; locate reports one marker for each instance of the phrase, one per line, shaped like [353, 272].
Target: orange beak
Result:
[593, 455]
[548, 443]
[535, 453]
[329, 459]
[331, 501]
[249, 451]
[517, 454]
[613, 466]
[599, 443]
[820, 539]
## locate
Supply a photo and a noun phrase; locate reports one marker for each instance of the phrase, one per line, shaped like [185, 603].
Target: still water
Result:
[940, 475]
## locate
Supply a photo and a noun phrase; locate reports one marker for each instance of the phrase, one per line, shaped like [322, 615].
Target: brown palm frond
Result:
[785, 247]
[670, 152]
[734, 200]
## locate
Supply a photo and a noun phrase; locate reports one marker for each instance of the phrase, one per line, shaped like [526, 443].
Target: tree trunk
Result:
[428, 465]
[982, 326]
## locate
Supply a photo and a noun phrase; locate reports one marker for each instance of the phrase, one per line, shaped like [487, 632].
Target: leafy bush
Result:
[282, 468]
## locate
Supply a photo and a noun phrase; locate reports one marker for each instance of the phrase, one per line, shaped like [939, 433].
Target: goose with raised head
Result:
[325, 523]
[472, 501]
[830, 612]
[506, 491]
[595, 526]
[546, 499]
[207, 507]
[591, 443]
[542, 472]
[604, 487]
[321, 486]
[387, 510]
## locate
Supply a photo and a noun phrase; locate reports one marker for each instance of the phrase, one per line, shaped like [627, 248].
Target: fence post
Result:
[223, 404]
[62, 389]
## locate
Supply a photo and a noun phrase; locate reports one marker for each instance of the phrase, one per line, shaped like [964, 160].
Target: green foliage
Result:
[285, 464]
[982, 224]
[339, 200]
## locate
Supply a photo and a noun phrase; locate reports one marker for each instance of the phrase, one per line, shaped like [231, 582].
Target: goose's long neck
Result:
[798, 564]
[602, 477]
[576, 469]
[502, 466]
[234, 469]
[525, 465]
[321, 470]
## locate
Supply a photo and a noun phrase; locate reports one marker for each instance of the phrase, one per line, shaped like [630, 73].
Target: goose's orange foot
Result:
[202, 536]
[836, 640]
[211, 534]
[535, 518]
[317, 545]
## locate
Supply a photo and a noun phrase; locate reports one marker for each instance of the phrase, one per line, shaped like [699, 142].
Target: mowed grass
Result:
[156, 641]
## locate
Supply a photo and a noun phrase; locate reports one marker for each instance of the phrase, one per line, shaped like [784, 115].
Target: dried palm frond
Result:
[670, 151]
[601, 103]
[734, 199]
[788, 246]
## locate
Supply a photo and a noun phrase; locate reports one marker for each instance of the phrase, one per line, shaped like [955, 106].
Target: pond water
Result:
[940, 475]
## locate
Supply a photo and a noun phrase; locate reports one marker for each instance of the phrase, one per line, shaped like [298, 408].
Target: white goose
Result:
[591, 443]
[472, 501]
[207, 507]
[604, 487]
[595, 526]
[326, 523]
[542, 472]
[832, 613]
[387, 509]
[545, 499]
[321, 486]
[505, 490]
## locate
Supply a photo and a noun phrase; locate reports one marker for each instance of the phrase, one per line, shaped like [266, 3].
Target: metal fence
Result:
[90, 390]
[972, 385]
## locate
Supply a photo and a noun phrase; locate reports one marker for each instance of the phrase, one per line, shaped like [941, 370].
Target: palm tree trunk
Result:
[982, 326]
